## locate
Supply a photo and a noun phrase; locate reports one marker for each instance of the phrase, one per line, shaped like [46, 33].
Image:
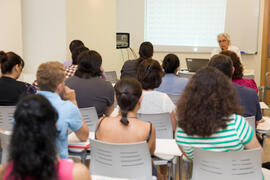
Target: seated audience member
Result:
[71, 69]
[208, 116]
[127, 128]
[171, 84]
[73, 44]
[50, 78]
[149, 75]
[237, 76]
[90, 89]
[33, 153]
[209, 119]
[224, 42]
[129, 68]
[11, 89]
[248, 97]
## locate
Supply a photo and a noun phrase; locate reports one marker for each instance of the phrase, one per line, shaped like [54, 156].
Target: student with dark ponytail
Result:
[126, 127]
[11, 89]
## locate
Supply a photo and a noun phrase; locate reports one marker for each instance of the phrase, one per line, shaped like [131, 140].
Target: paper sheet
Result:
[167, 148]
[265, 125]
[263, 105]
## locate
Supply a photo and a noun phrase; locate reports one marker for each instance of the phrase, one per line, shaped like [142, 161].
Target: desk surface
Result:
[248, 73]
[165, 148]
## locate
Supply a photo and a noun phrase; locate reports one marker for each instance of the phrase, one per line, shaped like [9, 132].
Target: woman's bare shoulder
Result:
[81, 172]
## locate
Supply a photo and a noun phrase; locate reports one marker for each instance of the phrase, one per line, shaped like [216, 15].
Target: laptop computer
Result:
[193, 64]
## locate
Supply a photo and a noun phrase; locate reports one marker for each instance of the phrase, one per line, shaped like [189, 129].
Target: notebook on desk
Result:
[193, 64]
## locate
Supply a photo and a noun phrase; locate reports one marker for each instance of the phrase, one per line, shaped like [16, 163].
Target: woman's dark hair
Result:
[33, 141]
[128, 92]
[238, 67]
[206, 103]
[74, 44]
[222, 63]
[89, 63]
[9, 60]
[76, 52]
[149, 74]
[170, 63]
[146, 51]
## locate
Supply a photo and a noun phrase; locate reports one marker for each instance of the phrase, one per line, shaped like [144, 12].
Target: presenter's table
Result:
[248, 73]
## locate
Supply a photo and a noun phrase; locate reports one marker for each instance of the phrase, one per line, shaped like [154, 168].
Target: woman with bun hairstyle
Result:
[126, 127]
[33, 151]
[11, 89]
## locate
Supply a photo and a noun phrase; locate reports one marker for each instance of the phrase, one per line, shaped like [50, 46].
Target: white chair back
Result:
[233, 165]
[111, 76]
[174, 97]
[162, 123]
[129, 160]
[5, 140]
[89, 114]
[251, 121]
[6, 117]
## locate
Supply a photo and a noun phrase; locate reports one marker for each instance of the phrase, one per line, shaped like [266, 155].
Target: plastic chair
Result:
[90, 117]
[174, 97]
[163, 125]
[5, 140]
[111, 76]
[117, 160]
[89, 114]
[6, 117]
[233, 165]
[251, 121]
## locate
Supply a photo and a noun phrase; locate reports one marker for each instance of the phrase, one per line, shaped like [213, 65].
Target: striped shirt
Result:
[233, 138]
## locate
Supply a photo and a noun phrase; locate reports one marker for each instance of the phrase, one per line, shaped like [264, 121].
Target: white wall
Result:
[11, 26]
[94, 22]
[48, 27]
[44, 32]
[132, 20]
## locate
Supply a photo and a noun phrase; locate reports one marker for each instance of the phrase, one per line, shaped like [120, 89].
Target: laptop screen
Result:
[193, 64]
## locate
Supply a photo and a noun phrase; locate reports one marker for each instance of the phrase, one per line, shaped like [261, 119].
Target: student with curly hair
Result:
[33, 151]
[209, 116]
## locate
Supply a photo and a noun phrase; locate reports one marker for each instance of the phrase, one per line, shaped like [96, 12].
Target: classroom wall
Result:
[94, 22]
[11, 26]
[126, 14]
[41, 30]
[44, 32]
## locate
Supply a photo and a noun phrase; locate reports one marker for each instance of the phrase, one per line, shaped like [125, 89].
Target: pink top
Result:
[64, 172]
[250, 83]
